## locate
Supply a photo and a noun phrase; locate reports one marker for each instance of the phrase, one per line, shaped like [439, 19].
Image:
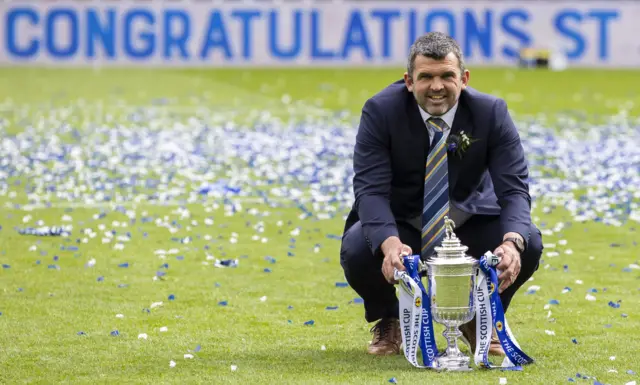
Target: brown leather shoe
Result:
[469, 333]
[386, 337]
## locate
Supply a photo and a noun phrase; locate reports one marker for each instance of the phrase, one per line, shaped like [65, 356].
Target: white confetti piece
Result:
[634, 266]
[589, 297]
[279, 223]
[156, 304]
[264, 240]
[591, 258]
[143, 336]
[188, 356]
[119, 315]
[255, 238]
[612, 358]
[533, 288]
[264, 298]
[578, 281]
[503, 381]
[552, 254]
[549, 246]
[631, 383]
[612, 371]
[33, 248]
[547, 306]
[549, 314]
[323, 348]
[234, 368]
[565, 291]
[164, 329]
[172, 364]
[562, 242]
[568, 251]
[295, 232]
[550, 332]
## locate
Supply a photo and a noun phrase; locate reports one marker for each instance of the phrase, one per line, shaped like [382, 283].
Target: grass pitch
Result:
[76, 309]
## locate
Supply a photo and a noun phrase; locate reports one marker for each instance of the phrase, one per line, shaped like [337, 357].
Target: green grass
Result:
[44, 308]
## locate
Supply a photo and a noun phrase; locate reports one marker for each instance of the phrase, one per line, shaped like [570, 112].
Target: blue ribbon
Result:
[515, 354]
[427, 338]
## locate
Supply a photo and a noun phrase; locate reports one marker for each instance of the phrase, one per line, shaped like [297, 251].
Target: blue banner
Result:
[333, 33]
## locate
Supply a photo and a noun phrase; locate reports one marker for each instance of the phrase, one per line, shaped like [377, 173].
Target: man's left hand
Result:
[509, 265]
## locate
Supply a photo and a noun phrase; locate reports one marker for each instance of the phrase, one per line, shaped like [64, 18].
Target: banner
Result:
[306, 33]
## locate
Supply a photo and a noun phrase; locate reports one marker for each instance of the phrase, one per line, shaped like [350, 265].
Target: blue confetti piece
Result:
[290, 254]
[331, 308]
[115, 333]
[567, 288]
[578, 375]
[614, 305]
[38, 262]
[5, 266]
[180, 258]
[597, 383]
[358, 300]
[223, 303]
[100, 279]
[82, 333]
[217, 284]
[267, 270]
[593, 290]
[393, 380]
[571, 379]
[197, 349]
[55, 257]
[608, 326]
[270, 259]
[554, 302]
[627, 270]
[289, 307]
[310, 323]
[624, 315]
[122, 285]
[160, 273]
[126, 264]
[172, 297]
[631, 372]
[342, 284]
[575, 341]
[53, 267]
[530, 292]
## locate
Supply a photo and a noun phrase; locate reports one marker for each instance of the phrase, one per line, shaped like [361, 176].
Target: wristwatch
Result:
[517, 242]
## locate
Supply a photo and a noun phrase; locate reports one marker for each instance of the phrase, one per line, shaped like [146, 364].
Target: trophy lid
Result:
[451, 251]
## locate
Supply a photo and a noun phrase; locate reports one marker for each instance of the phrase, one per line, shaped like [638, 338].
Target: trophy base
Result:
[454, 363]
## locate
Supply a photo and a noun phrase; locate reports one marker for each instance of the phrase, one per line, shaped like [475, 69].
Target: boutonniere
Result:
[458, 144]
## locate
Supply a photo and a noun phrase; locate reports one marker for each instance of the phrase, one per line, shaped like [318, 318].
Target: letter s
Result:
[563, 29]
[523, 38]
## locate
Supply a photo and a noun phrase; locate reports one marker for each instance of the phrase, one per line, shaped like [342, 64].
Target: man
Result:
[408, 177]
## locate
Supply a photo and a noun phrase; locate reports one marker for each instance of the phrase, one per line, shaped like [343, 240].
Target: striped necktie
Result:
[436, 190]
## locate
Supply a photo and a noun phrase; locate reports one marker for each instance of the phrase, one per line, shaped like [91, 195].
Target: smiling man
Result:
[429, 146]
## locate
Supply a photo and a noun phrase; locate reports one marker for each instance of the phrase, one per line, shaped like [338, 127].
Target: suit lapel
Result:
[418, 127]
[461, 122]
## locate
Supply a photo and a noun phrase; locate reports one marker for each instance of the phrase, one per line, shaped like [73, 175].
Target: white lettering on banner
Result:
[426, 333]
[594, 33]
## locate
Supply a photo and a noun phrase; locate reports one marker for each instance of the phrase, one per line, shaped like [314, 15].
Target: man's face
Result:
[436, 84]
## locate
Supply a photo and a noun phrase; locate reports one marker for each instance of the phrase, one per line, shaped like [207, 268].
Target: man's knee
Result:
[534, 248]
[354, 251]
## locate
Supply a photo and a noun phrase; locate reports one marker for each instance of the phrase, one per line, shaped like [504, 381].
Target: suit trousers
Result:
[481, 233]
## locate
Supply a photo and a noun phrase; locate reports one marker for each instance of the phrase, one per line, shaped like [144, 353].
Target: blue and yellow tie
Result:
[436, 190]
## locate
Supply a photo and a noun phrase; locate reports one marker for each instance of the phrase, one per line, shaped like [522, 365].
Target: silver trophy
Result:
[452, 274]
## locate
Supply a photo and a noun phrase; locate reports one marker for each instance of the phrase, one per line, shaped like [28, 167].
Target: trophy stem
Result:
[452, 333]
[453, 359]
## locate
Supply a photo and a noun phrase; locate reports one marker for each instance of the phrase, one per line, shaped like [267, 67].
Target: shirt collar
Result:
[447, 117]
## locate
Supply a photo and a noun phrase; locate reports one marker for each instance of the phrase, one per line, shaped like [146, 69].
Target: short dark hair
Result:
[435, 45]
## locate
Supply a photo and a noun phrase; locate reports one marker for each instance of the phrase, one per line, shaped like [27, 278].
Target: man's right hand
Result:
[393, 250]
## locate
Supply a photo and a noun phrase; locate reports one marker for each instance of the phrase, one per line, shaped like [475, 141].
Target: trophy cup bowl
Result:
[451, 275]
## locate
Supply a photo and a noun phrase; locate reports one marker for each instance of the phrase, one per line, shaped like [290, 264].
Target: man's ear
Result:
[465, 79]
[408, 82]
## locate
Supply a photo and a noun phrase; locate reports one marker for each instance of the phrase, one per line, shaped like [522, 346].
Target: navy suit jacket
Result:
[392, 144]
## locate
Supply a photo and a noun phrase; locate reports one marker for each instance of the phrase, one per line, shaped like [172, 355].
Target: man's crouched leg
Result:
[363, 272]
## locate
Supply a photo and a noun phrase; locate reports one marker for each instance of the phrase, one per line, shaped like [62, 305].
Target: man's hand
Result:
[509, 265]
[393, 250]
